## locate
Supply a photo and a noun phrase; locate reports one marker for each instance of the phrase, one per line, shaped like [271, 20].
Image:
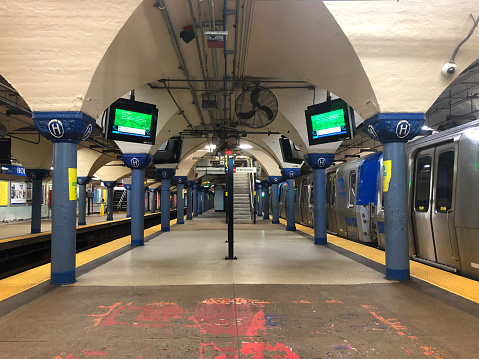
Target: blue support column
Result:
[319, 162]
[82, 182]
[37, 176]
[275, 180]
[109, 199]
[195, 200]
[290, 174]
[65, 130]
[394, 130]
[180, 202]
[205, 200]
[200, 199]
[152, 199]
[137, 162]
[128, 200]
[189, 200]
[166, 174]
[265, 185]
[260, 200]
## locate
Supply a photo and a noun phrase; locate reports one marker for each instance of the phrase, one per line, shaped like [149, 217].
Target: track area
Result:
[177, 297]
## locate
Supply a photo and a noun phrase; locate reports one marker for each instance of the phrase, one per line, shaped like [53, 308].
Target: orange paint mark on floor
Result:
[334, 301]
[434, 353]
[302, 302]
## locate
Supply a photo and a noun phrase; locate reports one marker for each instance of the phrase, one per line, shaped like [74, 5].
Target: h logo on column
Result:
[394, 127]
[319, 160]
[136, 161]
[64, 126]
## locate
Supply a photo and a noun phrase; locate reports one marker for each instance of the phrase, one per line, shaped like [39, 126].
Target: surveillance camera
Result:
[449, 69]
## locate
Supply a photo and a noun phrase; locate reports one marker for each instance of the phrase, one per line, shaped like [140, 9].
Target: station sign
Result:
[13, 170]
[244, 169]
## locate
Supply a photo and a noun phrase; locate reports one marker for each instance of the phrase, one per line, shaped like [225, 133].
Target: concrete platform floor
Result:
[21, 228]
[284, 297]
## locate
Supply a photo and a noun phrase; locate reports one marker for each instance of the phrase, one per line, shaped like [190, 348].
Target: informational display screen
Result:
[329, 122]
[132, 121]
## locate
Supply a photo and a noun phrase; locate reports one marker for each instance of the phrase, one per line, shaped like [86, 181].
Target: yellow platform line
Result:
[464, 287]
[22, 281]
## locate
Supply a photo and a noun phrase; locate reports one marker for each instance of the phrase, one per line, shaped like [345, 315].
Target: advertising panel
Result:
[18, 193]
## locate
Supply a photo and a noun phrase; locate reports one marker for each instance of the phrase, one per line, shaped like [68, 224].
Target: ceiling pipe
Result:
[160, 4]
[198, 49]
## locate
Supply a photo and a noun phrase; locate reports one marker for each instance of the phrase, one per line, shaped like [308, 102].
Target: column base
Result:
[137, 242]
[35, 230]
[63, 278]
[265, 217]
[165, 229]
[109, 219]
[397, 274]
[320, 241]
[288, 228]
[275, 222]
[260, 215]
[195, 215]
[189, 219]
[82, 223]
[178, 222]
[128, 216]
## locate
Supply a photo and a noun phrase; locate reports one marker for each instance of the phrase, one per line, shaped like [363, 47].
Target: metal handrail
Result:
[118, 206]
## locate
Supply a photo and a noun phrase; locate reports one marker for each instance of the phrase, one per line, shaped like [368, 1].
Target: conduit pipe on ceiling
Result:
[160, 4]
[200, 55]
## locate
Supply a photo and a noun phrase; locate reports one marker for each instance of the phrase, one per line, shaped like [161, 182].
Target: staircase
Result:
[119, 200]
[242, 198]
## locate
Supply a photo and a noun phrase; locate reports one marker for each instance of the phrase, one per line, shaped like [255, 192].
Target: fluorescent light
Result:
[210, 148]
[245, 147]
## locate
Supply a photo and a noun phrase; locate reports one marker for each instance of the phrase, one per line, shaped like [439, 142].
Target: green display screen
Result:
[132, 123]
[328, 124]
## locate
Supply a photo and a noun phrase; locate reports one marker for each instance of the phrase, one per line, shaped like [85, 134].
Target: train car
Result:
[443, 172]
[444, 199]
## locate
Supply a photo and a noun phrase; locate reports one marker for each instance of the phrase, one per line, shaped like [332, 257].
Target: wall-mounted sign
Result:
[18, 193]
[244, 170]
[3, 193]
[13, 170]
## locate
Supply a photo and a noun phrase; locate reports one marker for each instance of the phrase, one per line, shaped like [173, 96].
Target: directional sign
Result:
[244, 169]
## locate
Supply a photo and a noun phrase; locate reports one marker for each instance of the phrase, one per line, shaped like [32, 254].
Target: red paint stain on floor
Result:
[302, 302]
[434, 353]
[334, 301]
[266, 350]
[95, 353]
[212, 351]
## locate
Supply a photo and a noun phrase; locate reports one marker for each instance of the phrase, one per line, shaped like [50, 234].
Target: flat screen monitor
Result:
[169, 152]
[329, 122]
[291, 153]
[132, 121]
[5, 151]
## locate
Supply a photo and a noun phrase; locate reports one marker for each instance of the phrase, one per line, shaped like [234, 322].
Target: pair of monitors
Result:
[134, 121]
[326, 122]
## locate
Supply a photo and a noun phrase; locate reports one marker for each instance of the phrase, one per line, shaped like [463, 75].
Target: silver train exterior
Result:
[443, 199]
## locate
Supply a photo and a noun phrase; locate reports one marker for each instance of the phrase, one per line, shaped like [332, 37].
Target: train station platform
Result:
[177, 297]
[22, 228]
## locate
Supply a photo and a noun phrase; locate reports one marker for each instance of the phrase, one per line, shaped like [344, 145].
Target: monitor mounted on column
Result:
[329, 121]
[169, 152]
[291, 153]
[132, 121]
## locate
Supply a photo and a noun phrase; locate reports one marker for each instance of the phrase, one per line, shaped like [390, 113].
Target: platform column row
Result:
[275, 180]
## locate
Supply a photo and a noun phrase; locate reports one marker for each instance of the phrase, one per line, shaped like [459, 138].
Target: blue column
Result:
[180, 202]
[166, 174]
[205, 200]
[109, 199]
[195, 200]
[200, 199]
[394, 130]
[152, 199]
[260, 200]
[189, 200]
[82, 182]
[65, 130]
[275, 180]
[37, 176]
[137, 162]
[128, 200]
[265, 185]
[290, 174]
[319, 162]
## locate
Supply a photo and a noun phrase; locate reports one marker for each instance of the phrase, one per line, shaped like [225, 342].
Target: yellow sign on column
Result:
[4, 193]
[386, 175]
[72, 183]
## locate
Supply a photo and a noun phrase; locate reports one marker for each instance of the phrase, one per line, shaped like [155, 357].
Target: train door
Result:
[330, 202]
[443, 205]
[433, 204]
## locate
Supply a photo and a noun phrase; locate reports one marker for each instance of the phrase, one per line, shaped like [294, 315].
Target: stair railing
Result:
[123, 195]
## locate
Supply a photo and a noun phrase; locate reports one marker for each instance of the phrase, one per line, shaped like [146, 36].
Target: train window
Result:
[311, 198]
[352, 189]
[296, 193]
[423, 181]
[445, 177]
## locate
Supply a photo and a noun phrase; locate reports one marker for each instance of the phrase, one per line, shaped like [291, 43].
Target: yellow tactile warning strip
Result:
[453, 283]
[30, 278]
